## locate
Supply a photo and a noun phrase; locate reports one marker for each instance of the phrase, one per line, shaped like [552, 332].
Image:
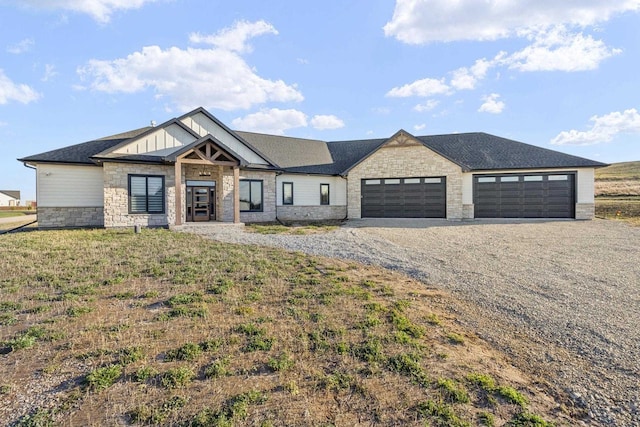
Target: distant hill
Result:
[619, 172]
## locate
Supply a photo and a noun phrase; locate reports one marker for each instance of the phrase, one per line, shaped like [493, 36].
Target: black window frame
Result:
[250, 194]
[328, 201]
[284, 200]
[146, 196]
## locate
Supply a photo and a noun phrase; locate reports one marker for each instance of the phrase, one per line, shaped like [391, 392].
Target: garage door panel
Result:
[525, 196]
[404, 198]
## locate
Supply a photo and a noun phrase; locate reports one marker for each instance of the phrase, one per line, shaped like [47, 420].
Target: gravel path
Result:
[561, 297]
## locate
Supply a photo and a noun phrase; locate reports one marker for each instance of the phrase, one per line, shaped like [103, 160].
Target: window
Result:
[371, 181]
[250, 195]
[287, 193]
[509, 179]
[412, 180]
[324, 194]
[533, 178]
[433, 180]
[487, 179]
[558, 178]
[392, 181]
[146, 194]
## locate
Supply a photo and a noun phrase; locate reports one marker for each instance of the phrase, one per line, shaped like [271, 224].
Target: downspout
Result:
[346, 215]
[275, 186]
[35, 169]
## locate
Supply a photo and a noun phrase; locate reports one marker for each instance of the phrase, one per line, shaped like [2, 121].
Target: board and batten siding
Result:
[70, 186]
[203, 125]
[161, 142]
[306, 189]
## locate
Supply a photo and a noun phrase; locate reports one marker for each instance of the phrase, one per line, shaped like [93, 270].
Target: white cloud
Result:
[235, 38]
[604, 129]
[427, 106]
[21, 47]
[491, 104]
[3, 124]
[419, 127]
[424, 21]
[273, 121]
[10, 91]
[216, 77]
[556, 49]
[49, 72]
[466, 78]
[423, 87]
[324, 122]
[99, 10]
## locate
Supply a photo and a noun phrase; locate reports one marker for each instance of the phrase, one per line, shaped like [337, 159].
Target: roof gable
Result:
[203, 123]
[14, 194]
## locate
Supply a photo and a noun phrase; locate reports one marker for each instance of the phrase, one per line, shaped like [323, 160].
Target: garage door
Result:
[404, 198]
[524, 196]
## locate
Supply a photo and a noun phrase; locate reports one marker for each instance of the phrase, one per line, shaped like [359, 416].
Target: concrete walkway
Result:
[18, 219]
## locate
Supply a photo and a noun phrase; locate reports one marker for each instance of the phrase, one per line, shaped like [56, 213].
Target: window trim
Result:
[284, 184]
[261, 194]
[328, 195]
[146, 211]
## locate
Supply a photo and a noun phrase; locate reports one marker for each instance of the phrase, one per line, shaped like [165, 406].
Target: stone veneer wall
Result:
[116, 195]
[311, 213]
[583, 210]
[268, 196]
[70, 217]
[411, 160]
[468, 211]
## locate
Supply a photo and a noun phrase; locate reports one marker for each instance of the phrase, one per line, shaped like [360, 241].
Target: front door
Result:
[200, 203]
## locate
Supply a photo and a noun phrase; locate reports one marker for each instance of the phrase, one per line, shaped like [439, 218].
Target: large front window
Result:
[146, 194]
[250, 195]
[324, 194]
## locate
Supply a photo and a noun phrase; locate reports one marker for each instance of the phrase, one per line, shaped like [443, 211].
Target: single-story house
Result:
[9, 198]
[194, 168]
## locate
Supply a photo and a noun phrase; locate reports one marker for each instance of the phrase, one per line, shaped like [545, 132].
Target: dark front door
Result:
[404, 198]
[200, 203]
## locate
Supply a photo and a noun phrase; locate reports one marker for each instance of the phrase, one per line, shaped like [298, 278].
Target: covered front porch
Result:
[207, 183]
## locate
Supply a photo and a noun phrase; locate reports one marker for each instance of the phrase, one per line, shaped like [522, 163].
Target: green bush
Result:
[453, 392]
[218, 368]
[105, 377]
[177, 377]
[189, 351]
[282, 363]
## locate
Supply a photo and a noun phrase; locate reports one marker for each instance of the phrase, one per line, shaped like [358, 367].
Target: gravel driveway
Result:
[561, 297]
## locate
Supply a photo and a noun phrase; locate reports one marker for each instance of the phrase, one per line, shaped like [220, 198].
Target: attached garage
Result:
[424, 197]
[529, 195]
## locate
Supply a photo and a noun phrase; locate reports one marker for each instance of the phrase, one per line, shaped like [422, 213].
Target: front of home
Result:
[195, 169]
[9, 198]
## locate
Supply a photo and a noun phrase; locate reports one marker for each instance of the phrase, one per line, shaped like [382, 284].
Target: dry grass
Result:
[112, 328]
[617, 191]
[14, 224]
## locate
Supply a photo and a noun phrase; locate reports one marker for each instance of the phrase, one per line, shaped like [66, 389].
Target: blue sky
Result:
[558, 74]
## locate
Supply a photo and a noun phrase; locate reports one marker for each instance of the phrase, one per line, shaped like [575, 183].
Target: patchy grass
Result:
[617, 190]
[293, 228]
[171, 329]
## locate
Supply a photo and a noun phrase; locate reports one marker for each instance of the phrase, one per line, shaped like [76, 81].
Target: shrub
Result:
[512, 395]
[455, 338]
[282, 363]
[217, 369]
[408, 364]
[130, 355]
[189, 351]
[105, 377]
[177, 377]
[370, 350]
[145, 373]
[184, 299]
[453, 392]
[484, 381]
[524, 419]
[443, 414]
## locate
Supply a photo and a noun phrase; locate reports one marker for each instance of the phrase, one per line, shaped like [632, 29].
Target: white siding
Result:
[584, 182]
[203, 126]
[160, 143]
[306, 189]
[69, 186]
[8, 201]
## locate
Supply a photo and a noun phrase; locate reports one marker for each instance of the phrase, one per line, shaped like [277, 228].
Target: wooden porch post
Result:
[236, 194]
[178, 191]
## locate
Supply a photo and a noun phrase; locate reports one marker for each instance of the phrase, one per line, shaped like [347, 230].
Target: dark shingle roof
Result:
[289, 152]
[82, 153]
[481, 151]
[14, 194]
